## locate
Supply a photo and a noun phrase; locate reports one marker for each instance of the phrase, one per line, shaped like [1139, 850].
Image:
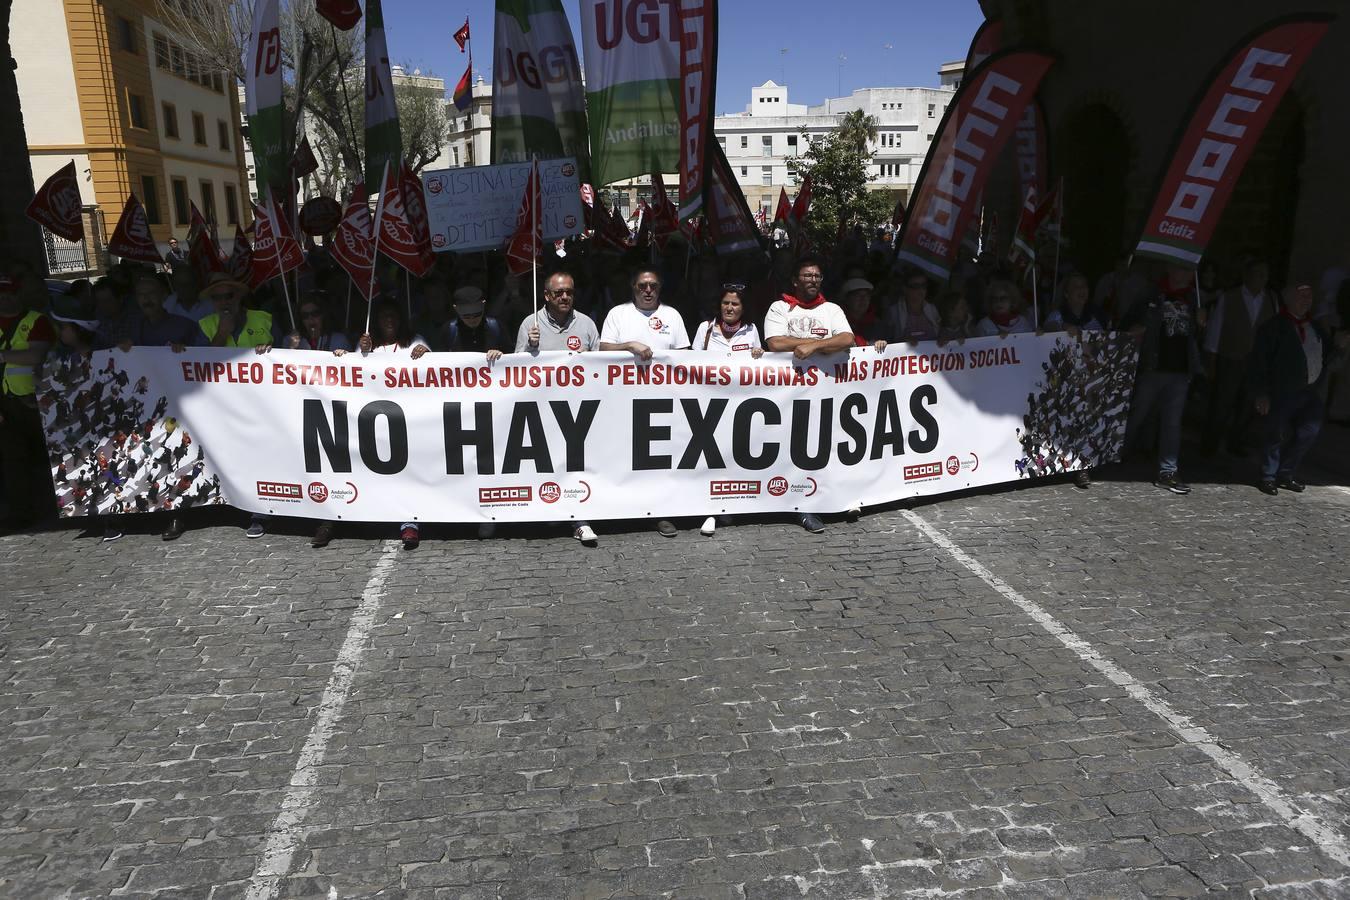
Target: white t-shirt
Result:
[396, 350]
[660, 329]
[745, 339]
[816, 324]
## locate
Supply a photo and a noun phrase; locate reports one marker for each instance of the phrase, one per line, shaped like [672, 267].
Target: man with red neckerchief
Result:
[804, 323]
[1287, 378]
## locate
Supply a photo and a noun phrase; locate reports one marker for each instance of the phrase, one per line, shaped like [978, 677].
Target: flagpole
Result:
[535, 237]
[347, 101]
[347, 314]
[1035, 295]
[276, 246]
[407, 290]
[375, 249]
[1059, 228]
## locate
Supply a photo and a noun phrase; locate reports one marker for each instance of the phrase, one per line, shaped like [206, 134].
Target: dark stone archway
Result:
[19, 236]
[1094, 156]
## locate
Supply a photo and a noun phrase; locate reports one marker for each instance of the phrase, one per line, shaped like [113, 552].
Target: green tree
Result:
[837, 165]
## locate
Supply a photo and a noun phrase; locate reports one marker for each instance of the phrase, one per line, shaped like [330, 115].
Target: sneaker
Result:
[255, 529]
[586, 534]
[811, 522]
[411, 537]
[1268, 487]
[1082, 479]
[1292, 484]
[1169, 481]
[486, 530]
[709, 526]
[174, 531]
[111, 533]
[666, 528]
[323, 536]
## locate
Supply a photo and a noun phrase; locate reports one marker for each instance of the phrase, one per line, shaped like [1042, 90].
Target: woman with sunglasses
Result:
[316, 333]
[728, 330]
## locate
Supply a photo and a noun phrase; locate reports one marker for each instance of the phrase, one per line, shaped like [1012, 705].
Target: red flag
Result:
[1051, 209]
[802, 205]
[898, 214]
[610, 231]
[343, 14]
[275, 249]
[203, 249]
[730, 225]
[528, 240]
[304, 162]
[784, 210]
[1030, 153]
[1228, 122]
[665, 217]
[240, 265]
[462, 36]
[56, 205]
[463, 95]
[988, 38]
[354, 242]
[1024, 239]
[646, 229]
[131, 238]
[976, 127]
[588, 195]
[697, 43]
[404, 233]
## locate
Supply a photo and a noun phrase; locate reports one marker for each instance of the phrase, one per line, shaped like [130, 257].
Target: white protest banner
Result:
[450, 438]
[475, 208]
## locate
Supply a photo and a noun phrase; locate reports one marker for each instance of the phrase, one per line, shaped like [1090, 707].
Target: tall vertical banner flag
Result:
[538, 102]
[632, 86]
[1222, 133]
[987, 41]
[731, 226]
[698, 79]
[974, 130]
[263, 102]
[56, 205]
[384, 142]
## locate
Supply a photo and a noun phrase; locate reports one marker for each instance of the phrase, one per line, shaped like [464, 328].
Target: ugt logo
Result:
[268, 58]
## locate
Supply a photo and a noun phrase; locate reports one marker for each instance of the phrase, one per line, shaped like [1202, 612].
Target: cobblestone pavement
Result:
[764, 714]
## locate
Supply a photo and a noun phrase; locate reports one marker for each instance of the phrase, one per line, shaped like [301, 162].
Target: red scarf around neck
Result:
[1300, 324]
[793, 302]
[729, 331]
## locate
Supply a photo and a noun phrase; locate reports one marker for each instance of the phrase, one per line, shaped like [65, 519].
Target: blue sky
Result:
[887, 44]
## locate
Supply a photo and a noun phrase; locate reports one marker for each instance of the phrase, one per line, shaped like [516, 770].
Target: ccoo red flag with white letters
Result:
[131, 238]
[973, 132]
[56, 205]
[1223, 132]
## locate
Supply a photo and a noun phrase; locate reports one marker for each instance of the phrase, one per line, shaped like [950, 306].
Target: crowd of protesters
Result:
[1258, 358]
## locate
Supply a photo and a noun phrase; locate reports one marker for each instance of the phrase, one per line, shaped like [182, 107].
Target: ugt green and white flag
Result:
[632, 86]
[263, 102]
[538, 103]
[384, 143]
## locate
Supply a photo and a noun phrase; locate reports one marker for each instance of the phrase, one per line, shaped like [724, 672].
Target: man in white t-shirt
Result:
[641, 327]
[646, 324]
[805, 323]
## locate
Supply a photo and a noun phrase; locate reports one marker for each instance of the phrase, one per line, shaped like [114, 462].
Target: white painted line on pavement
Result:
[1326, 838]
[283, 838]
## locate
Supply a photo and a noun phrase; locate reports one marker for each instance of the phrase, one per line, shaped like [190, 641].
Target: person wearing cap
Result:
[155, 326]
[868, 330]
[642, 327]
[25, 339]
[472, 330]
[561, 329]
[231, 325]
[1287, 373]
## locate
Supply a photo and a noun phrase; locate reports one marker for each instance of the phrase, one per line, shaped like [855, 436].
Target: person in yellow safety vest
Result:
[25, 338]
[229, 326]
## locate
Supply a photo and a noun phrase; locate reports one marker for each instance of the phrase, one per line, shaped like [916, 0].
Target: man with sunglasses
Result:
[560, 328]
[641, 327]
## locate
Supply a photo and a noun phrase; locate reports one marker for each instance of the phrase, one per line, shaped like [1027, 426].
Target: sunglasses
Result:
[648, 286]
[733, 286]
